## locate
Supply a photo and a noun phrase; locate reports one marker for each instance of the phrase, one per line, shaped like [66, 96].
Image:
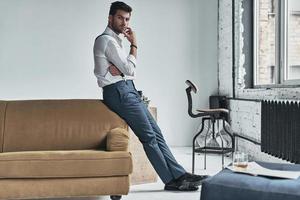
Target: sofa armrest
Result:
[117, 140]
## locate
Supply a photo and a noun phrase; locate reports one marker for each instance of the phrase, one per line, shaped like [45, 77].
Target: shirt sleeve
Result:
[125, 63]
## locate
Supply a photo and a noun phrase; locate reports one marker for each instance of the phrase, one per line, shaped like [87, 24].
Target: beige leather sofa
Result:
[62, 148]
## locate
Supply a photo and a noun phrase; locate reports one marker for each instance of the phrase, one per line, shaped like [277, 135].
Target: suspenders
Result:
[100, 35]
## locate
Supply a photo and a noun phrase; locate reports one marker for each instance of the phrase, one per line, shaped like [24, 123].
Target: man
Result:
[115, 71]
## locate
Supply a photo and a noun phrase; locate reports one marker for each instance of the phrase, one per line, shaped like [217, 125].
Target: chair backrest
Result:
[191, 87]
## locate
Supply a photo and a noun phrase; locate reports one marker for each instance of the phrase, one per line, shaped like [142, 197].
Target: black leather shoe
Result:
[178, 186]
[192, 180]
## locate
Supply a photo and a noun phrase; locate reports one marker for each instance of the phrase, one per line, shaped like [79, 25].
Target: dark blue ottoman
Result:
[228, 185]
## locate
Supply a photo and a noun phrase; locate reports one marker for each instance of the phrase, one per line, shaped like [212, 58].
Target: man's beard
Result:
[117, 29]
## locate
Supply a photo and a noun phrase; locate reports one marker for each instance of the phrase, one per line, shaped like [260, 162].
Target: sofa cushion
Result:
[76, 163]
[117, 140]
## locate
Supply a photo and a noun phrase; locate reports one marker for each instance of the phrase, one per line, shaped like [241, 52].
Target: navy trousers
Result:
[123, 98]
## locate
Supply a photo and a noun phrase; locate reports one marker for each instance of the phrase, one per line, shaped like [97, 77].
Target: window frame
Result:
[281, 46]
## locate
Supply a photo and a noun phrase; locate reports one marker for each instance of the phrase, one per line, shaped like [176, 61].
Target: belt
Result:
[115, 85]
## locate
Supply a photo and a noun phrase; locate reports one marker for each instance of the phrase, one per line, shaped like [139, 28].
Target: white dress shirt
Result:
[108, 50]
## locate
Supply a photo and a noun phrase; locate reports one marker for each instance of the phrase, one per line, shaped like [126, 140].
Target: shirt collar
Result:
[110, 32]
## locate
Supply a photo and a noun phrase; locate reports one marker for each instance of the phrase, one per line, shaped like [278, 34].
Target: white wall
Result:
[46, 53]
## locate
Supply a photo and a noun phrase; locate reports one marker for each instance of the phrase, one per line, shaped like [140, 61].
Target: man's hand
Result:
[114, 70]
[130, 35]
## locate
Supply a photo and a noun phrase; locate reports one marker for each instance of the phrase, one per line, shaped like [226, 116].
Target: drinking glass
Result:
[240, 160]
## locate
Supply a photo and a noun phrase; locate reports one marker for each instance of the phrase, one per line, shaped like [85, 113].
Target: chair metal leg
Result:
[193, 159]
[194, 141]
[205, 151]
[214, 135]
[222, 146]
[205, 159]
[213, 129]
[232, 157]
[205, 139]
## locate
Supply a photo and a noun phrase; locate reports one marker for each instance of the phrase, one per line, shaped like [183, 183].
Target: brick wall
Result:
[266, 45]
[245, 115]
[294, 40]
[294, 46]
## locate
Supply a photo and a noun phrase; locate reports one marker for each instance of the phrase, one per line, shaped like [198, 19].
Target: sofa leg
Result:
[115, 197]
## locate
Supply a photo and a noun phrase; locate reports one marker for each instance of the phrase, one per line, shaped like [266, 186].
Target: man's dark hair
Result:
[118, 5]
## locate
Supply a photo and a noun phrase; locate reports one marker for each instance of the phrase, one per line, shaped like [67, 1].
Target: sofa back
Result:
[2, 115]
[33, 125]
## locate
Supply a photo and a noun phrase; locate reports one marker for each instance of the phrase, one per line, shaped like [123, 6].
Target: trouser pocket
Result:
[128, 96]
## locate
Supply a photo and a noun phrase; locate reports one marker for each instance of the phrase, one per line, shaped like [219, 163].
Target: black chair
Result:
[211, 115]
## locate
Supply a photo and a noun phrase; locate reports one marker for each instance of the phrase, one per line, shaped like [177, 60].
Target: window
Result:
[293, 35]
[276, 42]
